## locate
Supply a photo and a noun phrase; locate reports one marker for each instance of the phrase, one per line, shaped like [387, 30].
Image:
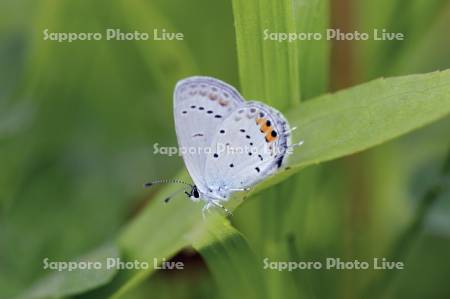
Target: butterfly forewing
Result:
[201, 104]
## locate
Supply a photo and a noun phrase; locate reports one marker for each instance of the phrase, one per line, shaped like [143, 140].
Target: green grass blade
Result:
[231, 261]
[360, 117]
[314, 62]
[309, 16]
[160, 231]
[268, 69]
[280, 73]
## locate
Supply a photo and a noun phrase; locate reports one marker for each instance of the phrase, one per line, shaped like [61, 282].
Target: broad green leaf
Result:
[231, 261]
[360, 117]
[331, 126]
[67, 283]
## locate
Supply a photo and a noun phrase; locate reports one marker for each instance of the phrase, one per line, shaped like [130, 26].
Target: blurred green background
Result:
[78, 122]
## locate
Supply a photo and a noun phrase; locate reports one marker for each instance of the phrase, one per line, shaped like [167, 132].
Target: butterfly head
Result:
[194, 194]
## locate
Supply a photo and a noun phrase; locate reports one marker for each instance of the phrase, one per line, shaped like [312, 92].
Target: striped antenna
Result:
[163, 181]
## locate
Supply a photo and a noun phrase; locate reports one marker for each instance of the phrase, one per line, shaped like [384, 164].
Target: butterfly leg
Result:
[205, 208]
[287, 132]
[216, 203]
[240, 189]
[296, 144]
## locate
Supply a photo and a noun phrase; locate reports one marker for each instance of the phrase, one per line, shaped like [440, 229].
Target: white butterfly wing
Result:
[255, 143]
[201, 104]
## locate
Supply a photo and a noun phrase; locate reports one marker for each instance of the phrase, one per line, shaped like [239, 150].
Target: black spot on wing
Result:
[280, 161]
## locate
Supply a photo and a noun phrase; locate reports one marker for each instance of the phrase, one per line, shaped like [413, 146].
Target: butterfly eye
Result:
[195, 193]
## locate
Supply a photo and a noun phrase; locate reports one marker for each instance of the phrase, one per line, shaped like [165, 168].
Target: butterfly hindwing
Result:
[252, 144]
[201, 104]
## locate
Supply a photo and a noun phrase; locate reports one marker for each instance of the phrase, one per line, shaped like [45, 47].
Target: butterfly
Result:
[228, 144]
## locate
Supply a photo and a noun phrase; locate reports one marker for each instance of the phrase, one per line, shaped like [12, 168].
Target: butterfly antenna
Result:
[168, 198]
[172, 181]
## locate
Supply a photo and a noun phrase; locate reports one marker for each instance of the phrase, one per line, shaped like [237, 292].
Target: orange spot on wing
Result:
[262, 124]
[269, 138]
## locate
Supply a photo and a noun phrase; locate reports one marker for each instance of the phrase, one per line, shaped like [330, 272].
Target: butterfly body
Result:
[228, 144]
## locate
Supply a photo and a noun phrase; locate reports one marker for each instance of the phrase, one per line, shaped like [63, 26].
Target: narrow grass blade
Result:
[360, 117]
[312, 16]
[231, 261]
[268, 69]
